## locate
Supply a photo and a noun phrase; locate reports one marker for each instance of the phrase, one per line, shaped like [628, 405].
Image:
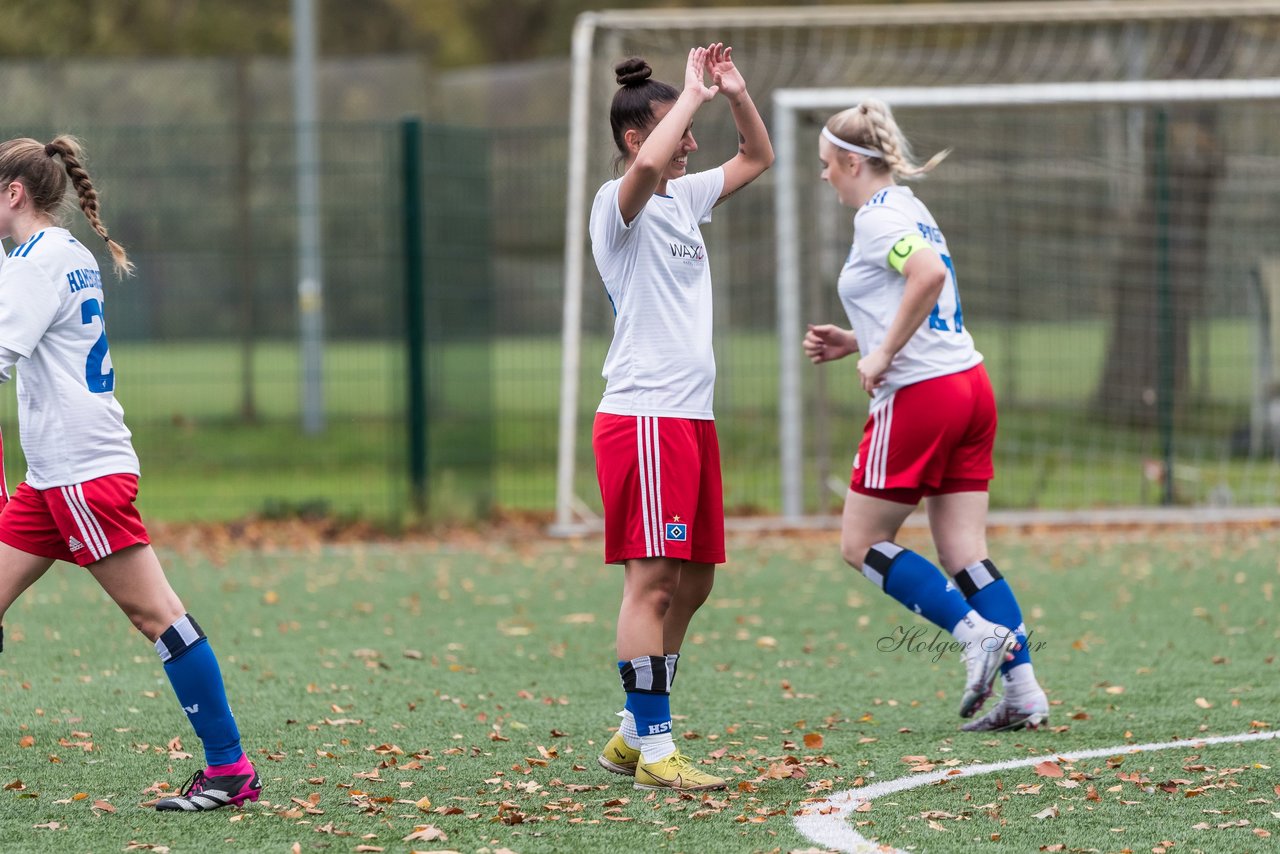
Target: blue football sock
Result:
[992, 597]
[193, 671]
[647, 682]
[916, 583]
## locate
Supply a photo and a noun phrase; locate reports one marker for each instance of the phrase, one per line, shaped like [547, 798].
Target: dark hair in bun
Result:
[632, 107]
[632, 72]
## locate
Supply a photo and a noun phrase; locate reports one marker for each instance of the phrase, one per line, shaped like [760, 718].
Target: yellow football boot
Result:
[618, 758]
[677, 773]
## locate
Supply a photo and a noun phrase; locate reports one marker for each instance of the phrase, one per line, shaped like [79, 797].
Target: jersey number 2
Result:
[936, 320]
[98, 381]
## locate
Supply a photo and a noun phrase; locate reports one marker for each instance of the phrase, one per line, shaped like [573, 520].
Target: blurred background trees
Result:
[453, 32]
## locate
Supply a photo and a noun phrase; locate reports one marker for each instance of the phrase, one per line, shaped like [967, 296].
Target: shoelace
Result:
[196, 783]
[680, 761]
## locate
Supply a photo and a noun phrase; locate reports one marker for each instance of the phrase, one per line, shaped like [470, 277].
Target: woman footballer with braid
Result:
[77, 502]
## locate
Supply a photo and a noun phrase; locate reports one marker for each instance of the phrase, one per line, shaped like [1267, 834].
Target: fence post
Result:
[1164, 306]
[415, 321]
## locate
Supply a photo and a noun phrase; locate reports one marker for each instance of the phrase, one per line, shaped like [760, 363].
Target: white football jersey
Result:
[658, 278]
[871, 292]
[51, 320]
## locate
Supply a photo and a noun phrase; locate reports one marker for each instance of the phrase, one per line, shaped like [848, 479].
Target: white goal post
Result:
[950, 44]
[788, 103]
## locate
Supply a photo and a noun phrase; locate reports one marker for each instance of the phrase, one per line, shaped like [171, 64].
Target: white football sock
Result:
[628, 729]
[975, 630]
[655, 748]
[1020, 682]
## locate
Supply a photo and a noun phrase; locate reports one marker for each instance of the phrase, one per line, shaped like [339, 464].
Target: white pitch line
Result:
[826, 822]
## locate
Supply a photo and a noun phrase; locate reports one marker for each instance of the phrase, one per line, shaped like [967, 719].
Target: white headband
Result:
[849, 146]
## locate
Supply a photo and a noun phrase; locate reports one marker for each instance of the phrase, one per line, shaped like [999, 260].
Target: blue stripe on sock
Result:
[652, 713]
[924, 589]
[197, 681]
[997, 603]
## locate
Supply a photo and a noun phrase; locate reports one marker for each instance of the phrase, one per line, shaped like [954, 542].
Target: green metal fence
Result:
[444, 398]
[204, 338]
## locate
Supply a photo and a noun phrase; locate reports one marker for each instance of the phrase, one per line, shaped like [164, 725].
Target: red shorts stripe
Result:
[648, 461]
[81, 523]
[878, 448]
[929, 438]
[660, 483]
[91, 533]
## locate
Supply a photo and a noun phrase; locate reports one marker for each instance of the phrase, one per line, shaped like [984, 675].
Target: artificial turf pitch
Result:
[453, 695]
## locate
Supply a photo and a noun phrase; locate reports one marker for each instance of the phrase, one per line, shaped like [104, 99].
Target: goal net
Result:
[1108, 204]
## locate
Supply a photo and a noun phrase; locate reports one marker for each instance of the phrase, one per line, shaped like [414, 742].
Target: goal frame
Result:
[789, 103]
[571, 513]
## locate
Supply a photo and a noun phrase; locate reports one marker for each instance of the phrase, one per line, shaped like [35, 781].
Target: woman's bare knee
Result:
[868, 520]
[656, 601]
[956, 559]
[959, 551]
[650, 586]
[854, 551]
[696, 582]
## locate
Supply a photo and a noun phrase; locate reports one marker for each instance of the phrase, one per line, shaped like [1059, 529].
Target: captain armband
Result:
[904, 249]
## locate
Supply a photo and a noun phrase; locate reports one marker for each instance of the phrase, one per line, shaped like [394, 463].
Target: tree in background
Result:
[452, 32]
[1192, 166]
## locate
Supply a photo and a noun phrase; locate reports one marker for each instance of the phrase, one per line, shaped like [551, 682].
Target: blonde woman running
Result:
[933, 416]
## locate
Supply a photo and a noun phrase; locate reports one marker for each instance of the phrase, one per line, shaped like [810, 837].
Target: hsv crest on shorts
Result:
[677, 532]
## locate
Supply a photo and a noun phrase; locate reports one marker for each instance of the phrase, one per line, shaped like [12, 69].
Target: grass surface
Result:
[479, 673]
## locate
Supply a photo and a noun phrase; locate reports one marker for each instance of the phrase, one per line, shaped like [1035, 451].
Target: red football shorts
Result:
[81, 523]
[933, 437]
[660, 482]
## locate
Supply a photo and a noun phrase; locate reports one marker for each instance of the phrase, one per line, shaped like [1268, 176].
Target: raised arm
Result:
[657, 149]
[755, 152]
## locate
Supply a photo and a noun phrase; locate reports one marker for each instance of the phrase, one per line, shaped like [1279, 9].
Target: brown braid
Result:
[68, 149]
[871, 124]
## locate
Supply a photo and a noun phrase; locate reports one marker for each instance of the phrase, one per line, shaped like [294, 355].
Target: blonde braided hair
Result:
[68, 149]
[871, 125]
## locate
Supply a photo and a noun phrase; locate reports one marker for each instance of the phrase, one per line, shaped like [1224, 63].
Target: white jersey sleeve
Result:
[700, 191]
[605, 225]
[877, 229]
[28, 305]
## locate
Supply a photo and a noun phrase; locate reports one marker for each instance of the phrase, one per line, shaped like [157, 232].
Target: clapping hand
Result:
[694, 74]
[724, 73]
